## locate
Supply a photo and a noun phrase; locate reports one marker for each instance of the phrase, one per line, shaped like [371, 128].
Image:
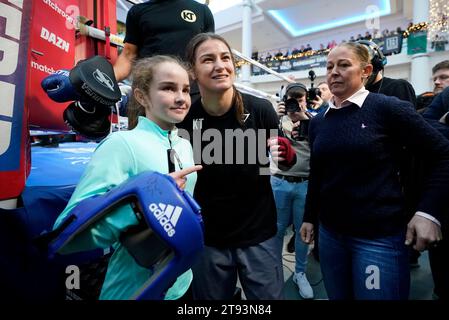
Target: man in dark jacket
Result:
[161, 27]
[437, 114]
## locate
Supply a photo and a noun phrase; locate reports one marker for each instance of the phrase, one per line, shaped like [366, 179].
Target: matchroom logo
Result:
[167, 215]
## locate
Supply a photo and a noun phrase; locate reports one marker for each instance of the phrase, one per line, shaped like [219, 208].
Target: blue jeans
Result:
[366, 269]
[290, 198]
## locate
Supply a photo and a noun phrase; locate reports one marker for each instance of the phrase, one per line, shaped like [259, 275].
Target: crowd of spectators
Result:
[438, 44]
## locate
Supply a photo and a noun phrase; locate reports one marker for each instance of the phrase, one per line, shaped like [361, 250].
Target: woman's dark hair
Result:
[142, 75]
[193, 45]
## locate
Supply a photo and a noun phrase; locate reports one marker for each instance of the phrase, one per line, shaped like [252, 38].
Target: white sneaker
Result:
[305, 290]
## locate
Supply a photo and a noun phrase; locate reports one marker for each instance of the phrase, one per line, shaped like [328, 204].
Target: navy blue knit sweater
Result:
[354, 187]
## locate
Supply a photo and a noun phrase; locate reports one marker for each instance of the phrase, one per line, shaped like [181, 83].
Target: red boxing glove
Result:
[286, 152]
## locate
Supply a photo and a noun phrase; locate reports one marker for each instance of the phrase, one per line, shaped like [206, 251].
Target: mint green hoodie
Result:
[118, 157]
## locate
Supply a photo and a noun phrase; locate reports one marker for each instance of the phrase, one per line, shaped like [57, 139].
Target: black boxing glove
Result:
[88, 120]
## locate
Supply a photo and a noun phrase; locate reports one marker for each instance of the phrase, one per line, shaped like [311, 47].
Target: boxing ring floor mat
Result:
[25, 271]
[59, 166]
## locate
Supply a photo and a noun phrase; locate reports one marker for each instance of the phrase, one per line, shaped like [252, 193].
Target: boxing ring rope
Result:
[95, 33]
[255, 92]
[118, 41]
[265, 68]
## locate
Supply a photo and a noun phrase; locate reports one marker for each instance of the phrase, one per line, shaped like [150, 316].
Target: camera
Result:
[292, 105]
[313, 92]
[294, 90]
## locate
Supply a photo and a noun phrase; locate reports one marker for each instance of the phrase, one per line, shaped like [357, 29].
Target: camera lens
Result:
[291, 105]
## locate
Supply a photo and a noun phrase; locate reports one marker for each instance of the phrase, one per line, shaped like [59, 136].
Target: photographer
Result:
[290, 186]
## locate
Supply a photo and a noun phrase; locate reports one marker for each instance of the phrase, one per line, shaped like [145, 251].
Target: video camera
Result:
[313, 92]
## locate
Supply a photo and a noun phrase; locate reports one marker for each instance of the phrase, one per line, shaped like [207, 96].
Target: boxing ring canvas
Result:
[60, 166]
[53, 178]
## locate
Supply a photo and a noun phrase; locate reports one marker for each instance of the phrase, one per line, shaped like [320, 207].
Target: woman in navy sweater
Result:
[354, 190]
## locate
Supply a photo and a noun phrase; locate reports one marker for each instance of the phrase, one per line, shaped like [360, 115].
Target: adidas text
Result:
[167, 215]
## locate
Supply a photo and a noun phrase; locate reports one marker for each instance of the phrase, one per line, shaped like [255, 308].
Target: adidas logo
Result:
[167, 215]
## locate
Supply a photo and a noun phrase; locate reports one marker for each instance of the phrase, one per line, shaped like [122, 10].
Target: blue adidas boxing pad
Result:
[168, 239]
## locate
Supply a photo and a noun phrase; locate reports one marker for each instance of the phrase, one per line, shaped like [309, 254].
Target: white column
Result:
[421, 69]
[247, 41]
[420, 11]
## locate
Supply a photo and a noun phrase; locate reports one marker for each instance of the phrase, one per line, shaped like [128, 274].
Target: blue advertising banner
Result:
[289, 65]
[306, 63]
